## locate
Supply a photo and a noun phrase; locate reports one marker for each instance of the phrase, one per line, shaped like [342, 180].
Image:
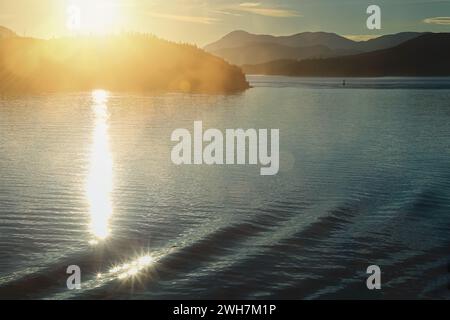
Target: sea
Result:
[92, 207]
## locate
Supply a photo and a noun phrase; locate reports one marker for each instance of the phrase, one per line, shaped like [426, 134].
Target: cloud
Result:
[257, 8]
[438, 20]
[227, 13]
[182, 18]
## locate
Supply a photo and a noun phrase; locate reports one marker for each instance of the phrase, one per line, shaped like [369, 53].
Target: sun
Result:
[93, 16]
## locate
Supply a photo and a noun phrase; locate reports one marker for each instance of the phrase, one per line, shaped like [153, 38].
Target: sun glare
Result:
[93, 16]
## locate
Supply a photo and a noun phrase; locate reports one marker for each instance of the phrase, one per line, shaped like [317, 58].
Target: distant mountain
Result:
[264, 52]
[240, 47]
[427, 55]
[135, 63]
[240, 38]
[6, 33]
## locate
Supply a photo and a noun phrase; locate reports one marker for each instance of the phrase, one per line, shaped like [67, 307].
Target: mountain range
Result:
[240, 47]
[426, 55]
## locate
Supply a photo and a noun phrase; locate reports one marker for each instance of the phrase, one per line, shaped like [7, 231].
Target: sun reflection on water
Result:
[133, 268]
[100, 178]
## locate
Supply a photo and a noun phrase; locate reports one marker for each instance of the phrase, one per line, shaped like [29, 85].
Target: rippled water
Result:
[87, 180]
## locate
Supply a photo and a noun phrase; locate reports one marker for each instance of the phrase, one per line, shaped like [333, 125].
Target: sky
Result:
[204, 21]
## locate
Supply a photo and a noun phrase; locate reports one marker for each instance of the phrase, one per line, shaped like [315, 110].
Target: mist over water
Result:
[86, 179]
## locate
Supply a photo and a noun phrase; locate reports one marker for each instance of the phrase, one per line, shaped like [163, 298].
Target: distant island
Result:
[426, 55]
[128, 62]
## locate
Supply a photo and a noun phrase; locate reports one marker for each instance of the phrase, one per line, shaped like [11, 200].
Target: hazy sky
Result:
[203, 21]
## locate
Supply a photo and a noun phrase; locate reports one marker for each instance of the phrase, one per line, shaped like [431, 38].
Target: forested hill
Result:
[139, 63]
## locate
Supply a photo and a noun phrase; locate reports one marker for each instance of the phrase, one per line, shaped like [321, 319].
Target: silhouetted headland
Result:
[132, 62]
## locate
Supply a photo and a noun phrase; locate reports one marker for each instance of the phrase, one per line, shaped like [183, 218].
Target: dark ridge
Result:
[426, 55]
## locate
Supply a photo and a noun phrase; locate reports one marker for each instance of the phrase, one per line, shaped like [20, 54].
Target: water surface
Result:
[87, 180]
